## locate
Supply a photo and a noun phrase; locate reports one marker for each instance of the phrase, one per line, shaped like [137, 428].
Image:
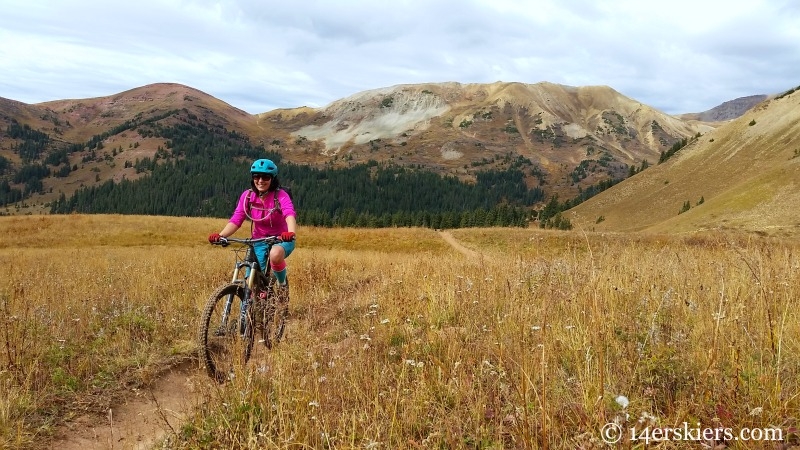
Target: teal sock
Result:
[280, 275]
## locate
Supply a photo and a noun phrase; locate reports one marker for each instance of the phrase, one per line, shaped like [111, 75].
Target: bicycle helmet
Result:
[264, 166]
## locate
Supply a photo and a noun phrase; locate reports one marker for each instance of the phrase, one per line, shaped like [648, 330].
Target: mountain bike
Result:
[235, 310]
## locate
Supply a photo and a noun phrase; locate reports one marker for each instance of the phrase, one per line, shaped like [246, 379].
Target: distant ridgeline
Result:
[202, 172]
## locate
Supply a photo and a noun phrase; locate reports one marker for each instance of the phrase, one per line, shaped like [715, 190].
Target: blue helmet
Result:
[264, 166]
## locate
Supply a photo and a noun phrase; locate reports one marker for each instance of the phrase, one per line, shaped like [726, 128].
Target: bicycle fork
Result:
[226, 313]
[249, 280]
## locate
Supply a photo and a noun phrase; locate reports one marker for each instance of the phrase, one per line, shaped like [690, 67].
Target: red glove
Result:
[214, 238]
[287, 236]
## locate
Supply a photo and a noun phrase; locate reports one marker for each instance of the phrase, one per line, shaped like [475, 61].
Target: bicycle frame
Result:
[246, 273]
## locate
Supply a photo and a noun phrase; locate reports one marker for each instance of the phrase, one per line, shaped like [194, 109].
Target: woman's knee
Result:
[277, 253]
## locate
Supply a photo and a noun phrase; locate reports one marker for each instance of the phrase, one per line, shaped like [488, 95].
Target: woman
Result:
[271, 213]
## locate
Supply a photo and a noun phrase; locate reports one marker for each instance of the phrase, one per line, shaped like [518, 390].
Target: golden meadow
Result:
[397, 340]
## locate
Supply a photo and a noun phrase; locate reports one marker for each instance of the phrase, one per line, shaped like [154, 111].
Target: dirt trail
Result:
[142, 420]
[464, 250]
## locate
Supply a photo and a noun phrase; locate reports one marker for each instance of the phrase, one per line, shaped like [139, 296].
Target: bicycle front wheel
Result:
[226, 336]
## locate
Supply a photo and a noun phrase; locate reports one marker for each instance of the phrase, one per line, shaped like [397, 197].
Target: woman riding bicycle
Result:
[271, 213]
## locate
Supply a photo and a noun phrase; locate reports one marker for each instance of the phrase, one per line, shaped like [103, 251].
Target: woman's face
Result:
[262, 181]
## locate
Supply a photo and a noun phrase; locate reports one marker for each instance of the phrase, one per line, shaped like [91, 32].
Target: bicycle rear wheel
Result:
[225, 339]
[276, 314]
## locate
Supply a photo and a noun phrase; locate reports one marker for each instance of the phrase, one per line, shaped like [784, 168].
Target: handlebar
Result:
[270, 240]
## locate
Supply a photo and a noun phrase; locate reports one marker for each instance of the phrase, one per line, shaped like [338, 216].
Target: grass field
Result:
[397, 340]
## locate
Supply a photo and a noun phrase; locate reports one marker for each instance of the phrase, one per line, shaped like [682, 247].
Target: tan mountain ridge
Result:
[77, 120]
[744, 175]
[524, 118]
[563, 138]
[569, 137]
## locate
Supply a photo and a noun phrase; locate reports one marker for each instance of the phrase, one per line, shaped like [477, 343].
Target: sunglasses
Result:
[264, 177]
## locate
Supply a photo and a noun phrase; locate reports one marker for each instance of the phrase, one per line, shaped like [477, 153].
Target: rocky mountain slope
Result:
[744, 175]
[568, 136]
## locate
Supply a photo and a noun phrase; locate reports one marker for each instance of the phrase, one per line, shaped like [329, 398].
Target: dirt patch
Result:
[144, 418]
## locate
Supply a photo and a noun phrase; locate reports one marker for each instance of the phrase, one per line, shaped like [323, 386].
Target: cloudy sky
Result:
[259, 55]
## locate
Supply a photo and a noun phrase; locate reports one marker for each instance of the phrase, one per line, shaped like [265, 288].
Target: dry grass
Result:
[399, 341]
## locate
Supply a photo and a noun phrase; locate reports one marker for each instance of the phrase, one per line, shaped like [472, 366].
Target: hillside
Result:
[98, 137]
[743, 175]
[728, 110]
[564, 139]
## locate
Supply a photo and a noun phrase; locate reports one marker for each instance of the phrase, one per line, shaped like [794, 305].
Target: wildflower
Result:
[384, 321]
[622, 401]
[313, 404]
[756, 411]
[536, 328]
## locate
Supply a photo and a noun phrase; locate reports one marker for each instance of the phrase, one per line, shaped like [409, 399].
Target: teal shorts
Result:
[262, 252]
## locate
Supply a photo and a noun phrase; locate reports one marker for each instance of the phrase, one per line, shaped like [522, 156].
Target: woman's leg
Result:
[277, 260]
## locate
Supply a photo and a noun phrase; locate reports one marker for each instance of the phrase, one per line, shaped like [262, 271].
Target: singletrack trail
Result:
[141, 420]
[456, 245]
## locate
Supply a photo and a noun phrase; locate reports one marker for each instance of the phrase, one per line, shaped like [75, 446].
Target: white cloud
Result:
[681, 56]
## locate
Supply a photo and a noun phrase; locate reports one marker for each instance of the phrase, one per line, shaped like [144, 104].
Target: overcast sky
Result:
[258, 55]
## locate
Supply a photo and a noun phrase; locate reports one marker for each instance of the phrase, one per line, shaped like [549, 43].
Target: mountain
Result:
[76, 121]
[83, 127]
[743, 175]
[447, 126]
[728, 110]
[563, 139]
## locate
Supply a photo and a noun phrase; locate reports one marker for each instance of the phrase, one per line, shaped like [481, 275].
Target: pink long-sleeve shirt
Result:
[267, 220]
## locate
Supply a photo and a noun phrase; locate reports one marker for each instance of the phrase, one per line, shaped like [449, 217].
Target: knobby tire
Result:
[221, 348]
